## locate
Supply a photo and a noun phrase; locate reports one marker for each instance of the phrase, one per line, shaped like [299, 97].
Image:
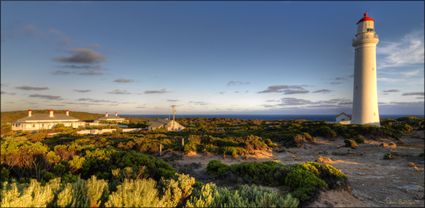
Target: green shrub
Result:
[388, 156]
[135, 193]
[333, 177]
[76, 163]
[244, 196]
[303, 183]
[97, 190]
[304, 180]
[360, 139]
[325, 131]
[175, 191]
[406, 128]
[28, 195]
[217, 168]
[203, 196]
[74, 195]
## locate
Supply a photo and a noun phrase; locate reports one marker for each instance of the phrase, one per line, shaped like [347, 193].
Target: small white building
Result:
[169, 125]
[343, 118]
[111, 119]
[46, 121]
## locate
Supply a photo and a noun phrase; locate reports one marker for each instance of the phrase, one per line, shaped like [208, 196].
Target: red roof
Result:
[343, 113]
[365, 18]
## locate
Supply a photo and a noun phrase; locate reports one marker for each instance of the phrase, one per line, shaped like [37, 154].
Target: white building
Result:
[45, 121]
[343, 118]
[169, 125]
[365, 96]
[111, 119]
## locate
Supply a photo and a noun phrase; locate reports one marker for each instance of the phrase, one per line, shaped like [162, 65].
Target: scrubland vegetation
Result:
[132, 169]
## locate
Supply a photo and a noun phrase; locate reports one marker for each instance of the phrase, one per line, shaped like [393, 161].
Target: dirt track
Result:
[374, 181]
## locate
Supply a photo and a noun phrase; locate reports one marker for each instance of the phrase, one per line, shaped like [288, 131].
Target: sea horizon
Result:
[312, 117]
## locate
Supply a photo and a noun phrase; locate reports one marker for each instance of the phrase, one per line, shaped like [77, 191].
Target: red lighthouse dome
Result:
[365, 18]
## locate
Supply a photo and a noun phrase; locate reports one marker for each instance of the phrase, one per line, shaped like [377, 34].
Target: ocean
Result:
[258, 116]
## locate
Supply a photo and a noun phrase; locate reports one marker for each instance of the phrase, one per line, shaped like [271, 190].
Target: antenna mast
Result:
[173, 108]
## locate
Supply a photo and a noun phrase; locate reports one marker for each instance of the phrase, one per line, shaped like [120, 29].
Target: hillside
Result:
[8, 117]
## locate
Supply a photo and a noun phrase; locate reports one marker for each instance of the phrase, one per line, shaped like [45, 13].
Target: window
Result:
[369, 30]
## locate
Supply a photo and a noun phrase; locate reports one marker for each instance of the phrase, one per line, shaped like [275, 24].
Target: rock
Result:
[411, 164]
[324, 160]
[390, 145]
[414, 166]
[191, 154]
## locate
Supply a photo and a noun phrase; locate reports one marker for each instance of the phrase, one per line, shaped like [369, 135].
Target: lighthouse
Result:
[365, 95]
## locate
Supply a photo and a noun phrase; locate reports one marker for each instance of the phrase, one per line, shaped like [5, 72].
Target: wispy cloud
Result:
[291, 102]
[198, 102]
[7, 93]
[91, 100]
[119, 92]
[81, 91]
[409, 74]
[294, 101]
[47, 97]
[407, 51]
[81, 56]
[391, 90]
[285, 89]
[389, 80]
[84, 70]
[161, 91]
[123, 80]
[272, 101]
[34, 31]
[233, 83]
[81, 61]
[413, 94]
[28, 88]
[322, 91]
[335, 83]
[172, 100]
[340, 78]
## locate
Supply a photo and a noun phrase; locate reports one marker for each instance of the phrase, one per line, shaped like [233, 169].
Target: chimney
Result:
[106, 114]
[67, 112]
[51, 113]
[116, 114]
[29, 112]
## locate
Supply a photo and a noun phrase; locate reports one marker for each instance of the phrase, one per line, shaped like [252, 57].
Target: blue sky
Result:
[205, 57]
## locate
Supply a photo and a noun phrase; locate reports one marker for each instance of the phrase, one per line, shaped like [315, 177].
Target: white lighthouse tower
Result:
[365, 96]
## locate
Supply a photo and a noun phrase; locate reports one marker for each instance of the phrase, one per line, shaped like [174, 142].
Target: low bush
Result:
[135, 193]
[389, 156]
[333, 177]
[325, 131]
[33, 194]
[304, 180]
[360, 139]
[351, 143]
[243, 196]
[303, 184]
[217, 168]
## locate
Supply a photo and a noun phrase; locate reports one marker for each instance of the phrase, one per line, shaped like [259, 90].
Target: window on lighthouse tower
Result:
[369, 29]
